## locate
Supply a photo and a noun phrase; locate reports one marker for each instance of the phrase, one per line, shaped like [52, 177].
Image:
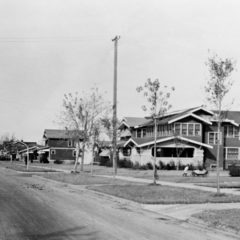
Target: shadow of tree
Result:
[71, 233]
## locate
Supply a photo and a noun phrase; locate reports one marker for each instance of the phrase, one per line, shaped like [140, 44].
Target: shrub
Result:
[58, 161]
[136, 166]
[125, 163]
[234, 171]
[149, 166]
[162, 165]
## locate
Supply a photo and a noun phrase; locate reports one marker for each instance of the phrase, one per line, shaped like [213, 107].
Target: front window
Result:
[126, 152]
[188, 129]
[53, 152]
[177, 128]
[168, 152]
[197, 129]
[139, 133]
[144, 132]
[213, 138]
[231, 131]
[232, 153]
[184, 129]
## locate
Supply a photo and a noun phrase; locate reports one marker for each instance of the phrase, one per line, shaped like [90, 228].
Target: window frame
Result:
[214, 138]
[227, 158]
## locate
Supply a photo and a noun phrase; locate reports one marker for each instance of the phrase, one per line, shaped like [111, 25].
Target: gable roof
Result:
[60, 134]
[232, 117]
[134, 121]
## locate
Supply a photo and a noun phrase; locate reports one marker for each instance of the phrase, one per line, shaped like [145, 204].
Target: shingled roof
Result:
[60, 134]
[135, 121]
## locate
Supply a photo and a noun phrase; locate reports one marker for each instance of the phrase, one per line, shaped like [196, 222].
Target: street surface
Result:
[35, 208]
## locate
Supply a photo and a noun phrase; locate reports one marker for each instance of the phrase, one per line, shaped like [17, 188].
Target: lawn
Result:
[82, 179]
[23, 168]
[159, 194]
[227, 218]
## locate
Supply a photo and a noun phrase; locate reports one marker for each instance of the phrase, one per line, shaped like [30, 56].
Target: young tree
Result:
[81, 117]
[217, 88]
[157, 96]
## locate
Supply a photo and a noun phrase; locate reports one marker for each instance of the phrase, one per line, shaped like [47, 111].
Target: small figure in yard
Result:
[185, 171]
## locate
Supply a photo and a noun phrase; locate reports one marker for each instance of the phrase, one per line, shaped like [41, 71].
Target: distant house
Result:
[18, 150]
[59, 145]
[187, 136]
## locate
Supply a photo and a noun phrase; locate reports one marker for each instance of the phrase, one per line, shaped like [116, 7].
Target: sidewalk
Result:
[234, 191]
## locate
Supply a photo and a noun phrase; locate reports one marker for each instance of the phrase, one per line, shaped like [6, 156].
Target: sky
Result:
[52, 47]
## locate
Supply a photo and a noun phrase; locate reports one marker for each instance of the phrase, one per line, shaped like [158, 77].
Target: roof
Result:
[178, 115]
[134, 121]
[230, 115]
[138, 142]
[61, 134]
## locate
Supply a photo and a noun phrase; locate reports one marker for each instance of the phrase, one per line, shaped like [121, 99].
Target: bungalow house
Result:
[187, 136]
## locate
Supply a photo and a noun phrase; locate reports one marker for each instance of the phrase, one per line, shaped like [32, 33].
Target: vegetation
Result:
[226, 218]
[217, 88]
[234, 171]
[81, 115]
[158, 194]
[157, 97]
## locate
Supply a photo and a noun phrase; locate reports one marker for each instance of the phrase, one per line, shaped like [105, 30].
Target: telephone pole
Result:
[114, 140]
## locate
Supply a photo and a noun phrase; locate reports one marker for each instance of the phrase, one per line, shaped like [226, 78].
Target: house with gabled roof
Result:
[59, 145]
[184, 137]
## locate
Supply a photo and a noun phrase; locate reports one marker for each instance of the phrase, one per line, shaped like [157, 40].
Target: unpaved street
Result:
[35, 208]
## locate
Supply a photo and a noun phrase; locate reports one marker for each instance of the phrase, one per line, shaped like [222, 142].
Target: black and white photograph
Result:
[119, 119]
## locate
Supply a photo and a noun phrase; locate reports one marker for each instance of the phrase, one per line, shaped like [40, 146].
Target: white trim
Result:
[124, 123]
[167, 139]
[128, 141]
[61, 148]
[158, 141]
[27, 149]
[189, 115]
[202, 108]
[228, 121]
[196, 142]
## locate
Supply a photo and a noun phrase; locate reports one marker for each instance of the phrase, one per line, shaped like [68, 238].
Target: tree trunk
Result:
[218, 155]
[155, 152]
[83, 152]
[77, 149]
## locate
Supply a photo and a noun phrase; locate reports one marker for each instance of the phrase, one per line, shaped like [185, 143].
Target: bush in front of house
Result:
[125, 163]
[58, 161]
[234, 171]
[105, 161]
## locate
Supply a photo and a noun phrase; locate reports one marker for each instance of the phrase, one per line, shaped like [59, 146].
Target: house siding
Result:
[62, 154]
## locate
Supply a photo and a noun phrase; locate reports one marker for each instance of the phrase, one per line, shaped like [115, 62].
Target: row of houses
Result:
[184, 137]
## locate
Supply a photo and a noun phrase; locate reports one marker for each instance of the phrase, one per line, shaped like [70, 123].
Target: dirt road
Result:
[34, 208]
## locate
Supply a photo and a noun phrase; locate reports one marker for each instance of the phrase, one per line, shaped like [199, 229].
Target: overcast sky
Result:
[52, 47]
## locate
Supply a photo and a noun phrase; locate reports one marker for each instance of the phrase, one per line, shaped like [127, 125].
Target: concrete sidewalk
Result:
[234, 191]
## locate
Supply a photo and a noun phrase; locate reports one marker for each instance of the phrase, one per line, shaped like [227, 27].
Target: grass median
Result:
[226, 218]
[160, 194]
[82, 179]
[23, 168]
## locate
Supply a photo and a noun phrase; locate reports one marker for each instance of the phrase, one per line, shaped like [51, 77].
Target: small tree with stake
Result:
[157, 97]
[217, 88]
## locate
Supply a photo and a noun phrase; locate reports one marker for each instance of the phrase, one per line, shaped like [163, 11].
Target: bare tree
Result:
[81, 117]
[157, 96]
[217, 88]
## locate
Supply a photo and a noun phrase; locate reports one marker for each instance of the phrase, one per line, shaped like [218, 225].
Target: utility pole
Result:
[114, 140]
